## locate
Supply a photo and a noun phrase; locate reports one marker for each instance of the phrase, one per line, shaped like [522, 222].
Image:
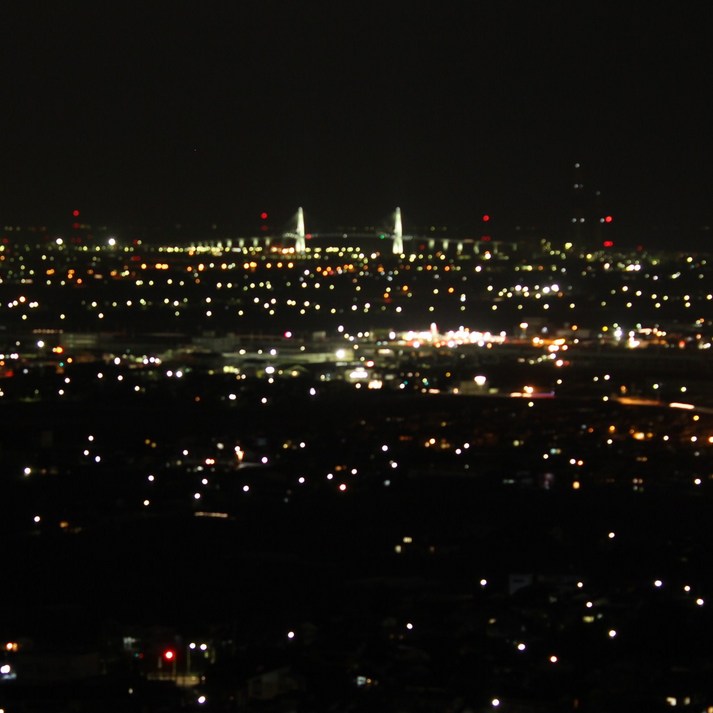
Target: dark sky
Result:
[203, 112]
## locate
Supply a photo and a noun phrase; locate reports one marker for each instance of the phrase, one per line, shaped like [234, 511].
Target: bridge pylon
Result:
[300, 246]
[397, 237]
[298, 234]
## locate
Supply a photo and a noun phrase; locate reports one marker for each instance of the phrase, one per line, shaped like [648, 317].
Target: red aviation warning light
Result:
[608, 219]
[263, 225]
[75, 213]
[608, 243]
[486, 219]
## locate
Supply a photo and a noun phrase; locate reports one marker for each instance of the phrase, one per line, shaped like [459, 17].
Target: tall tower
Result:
[578, 209]
[583, 208]
[398, 234]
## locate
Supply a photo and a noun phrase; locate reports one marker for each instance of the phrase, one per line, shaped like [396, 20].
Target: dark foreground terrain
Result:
[359, 551]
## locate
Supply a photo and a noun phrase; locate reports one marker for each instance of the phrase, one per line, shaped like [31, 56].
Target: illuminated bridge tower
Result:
[300, 246]
[398, 234]
[298, 234]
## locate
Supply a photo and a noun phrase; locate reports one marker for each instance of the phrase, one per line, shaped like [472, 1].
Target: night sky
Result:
[203, 113]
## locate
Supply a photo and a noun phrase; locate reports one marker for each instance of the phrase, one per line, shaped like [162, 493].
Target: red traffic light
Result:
[169, 654]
